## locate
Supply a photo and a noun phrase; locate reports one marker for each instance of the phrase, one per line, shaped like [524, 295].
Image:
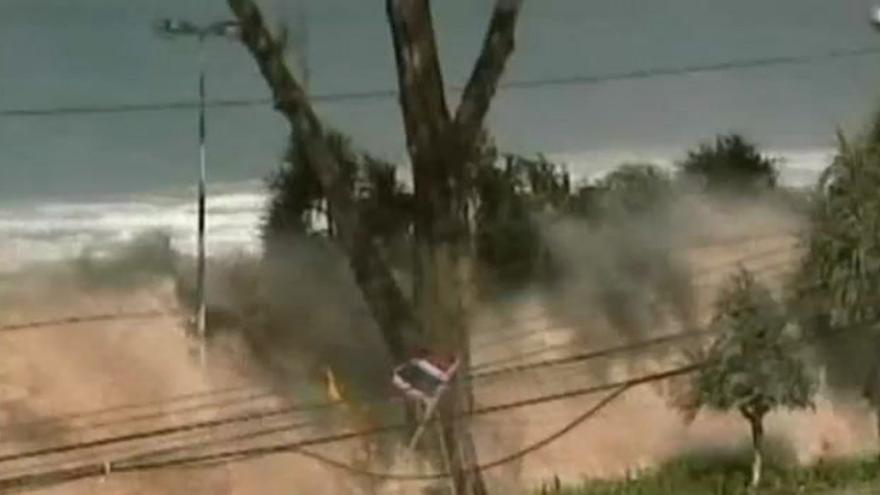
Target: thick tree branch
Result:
[420, 79]
[480, 89]
[391, 310]
[439, 152]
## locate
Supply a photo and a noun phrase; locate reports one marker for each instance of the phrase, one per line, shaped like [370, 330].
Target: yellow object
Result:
[332, 387]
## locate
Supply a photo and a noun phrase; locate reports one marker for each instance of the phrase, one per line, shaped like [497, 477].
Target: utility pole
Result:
[170, 28]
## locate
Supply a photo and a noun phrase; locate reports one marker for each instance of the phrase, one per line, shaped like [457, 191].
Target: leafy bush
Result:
[730, 164]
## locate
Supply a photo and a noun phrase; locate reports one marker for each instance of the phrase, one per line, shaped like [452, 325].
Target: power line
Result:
[254, 396]
[534, 366]
[239, 401]
[96, 470]
[692, 69]
[596, 354]
[586, 356]
[279, 412]
[285, 428]
[307, 407]
[269, 431]
[581, 357]
[99, 469]
[385, 94]
[617, 389]
[140, 435]
[187, 445]
[523, 452]
[142, 417]
[704, 272]
[492, 372]
[590, 355]
[78, 320]
[776, 271]
[92, 413]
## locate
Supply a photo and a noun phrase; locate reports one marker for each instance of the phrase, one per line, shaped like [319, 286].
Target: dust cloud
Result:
[655, 274]
[68, 383]
[638, 274]
[279, 322]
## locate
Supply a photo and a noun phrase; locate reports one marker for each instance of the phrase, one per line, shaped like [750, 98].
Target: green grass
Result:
[727, 473]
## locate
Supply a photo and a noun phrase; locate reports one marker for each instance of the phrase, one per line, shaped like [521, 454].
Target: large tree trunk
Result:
[442, 150]
[444, 295]
[757, 425]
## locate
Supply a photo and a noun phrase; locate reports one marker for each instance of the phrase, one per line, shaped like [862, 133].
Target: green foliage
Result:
[752, 367]
[541, 183]
[510, 192]
[728, 475]
[385, 203]
[840, 275]
[630, 189]
[297, 199]
[837, 286]
[730, 165]
[295, 194]
[585, 202]
[633, 189]
[506, 237]
[509, 196]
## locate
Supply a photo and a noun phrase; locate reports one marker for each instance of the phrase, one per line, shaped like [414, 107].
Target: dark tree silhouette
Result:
[730, 164]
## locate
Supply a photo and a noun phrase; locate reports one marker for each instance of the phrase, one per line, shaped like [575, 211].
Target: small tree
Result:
[731, 164]
[751, 367]
[634, 189]
[838, 284]
[509, 192]
[297, 199]
[294, 196]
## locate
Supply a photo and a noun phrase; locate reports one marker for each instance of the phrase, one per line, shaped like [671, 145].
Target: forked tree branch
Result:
[420, 79]
[392, 312]
[483, 83]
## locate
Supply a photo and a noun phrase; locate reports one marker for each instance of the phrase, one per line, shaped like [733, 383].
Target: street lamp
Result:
[875, 16]
[170, 28]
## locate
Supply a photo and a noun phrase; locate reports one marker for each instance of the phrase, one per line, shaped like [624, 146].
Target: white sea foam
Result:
[57, 230]
[52, 230]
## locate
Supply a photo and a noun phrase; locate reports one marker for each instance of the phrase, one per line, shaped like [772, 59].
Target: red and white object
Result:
[424, 378]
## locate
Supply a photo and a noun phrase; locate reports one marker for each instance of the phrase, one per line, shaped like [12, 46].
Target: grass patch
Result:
[728, 473]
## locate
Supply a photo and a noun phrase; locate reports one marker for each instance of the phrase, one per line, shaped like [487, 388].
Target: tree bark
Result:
[441, 150]
[498, 45]
[389, 307]
[757, 425]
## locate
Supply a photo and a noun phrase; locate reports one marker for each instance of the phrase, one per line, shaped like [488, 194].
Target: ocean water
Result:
[103, 53]
[47, 230]
[40, 231]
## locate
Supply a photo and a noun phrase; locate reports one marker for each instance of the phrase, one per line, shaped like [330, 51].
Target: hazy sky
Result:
[102, 52]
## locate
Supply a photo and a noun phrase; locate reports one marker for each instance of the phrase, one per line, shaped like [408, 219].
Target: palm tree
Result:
[838, 285]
